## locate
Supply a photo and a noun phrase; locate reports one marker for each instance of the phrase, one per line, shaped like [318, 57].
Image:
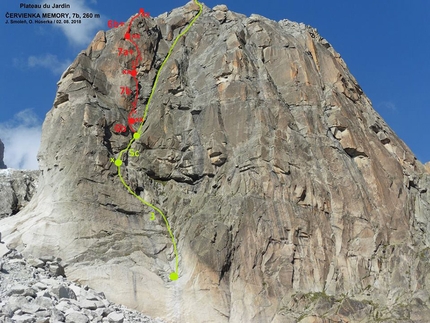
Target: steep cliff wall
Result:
[289, 197]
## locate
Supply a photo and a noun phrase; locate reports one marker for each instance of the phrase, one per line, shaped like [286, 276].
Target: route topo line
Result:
[136, 135]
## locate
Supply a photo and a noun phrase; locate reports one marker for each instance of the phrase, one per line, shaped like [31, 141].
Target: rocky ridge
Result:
[35, 291]
[290, 198]
[17, 187]
[2, 164]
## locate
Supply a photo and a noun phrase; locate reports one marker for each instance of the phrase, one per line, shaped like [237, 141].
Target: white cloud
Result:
[79, 34]
[21, 138]
[387, 105]
[50, 62]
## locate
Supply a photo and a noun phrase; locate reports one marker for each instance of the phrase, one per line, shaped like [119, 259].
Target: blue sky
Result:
[385, 44]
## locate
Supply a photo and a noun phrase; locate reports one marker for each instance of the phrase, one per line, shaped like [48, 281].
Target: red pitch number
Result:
[120, 128]
[115, 24]
[124, 52]
[125, 90]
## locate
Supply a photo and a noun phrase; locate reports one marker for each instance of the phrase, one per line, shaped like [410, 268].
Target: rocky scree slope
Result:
[290, 198]
[35, 291]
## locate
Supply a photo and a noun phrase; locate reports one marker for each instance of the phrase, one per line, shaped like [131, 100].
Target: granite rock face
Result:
[2, 164]
[289, 197]
[17, 187]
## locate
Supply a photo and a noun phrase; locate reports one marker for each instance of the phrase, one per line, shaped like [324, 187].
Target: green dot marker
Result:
[118, 162]
[136, 135]
[174, 276]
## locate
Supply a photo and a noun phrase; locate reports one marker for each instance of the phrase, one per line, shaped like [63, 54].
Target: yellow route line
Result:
[118, 162]
[167, 57]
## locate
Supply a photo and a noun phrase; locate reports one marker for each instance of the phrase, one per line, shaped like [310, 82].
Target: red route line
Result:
[133, 71]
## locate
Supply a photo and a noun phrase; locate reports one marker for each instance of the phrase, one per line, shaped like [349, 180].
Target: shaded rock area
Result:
[290, 198]
[36, 291]
[17, 187]
[2, 164]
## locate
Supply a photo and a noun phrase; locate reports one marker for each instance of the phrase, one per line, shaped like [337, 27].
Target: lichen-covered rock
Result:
[289, 197]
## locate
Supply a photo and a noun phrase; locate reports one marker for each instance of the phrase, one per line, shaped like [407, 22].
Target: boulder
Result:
[25, 318]
[115, 317]
[63, 292]
[16, 290]
[76, 317]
